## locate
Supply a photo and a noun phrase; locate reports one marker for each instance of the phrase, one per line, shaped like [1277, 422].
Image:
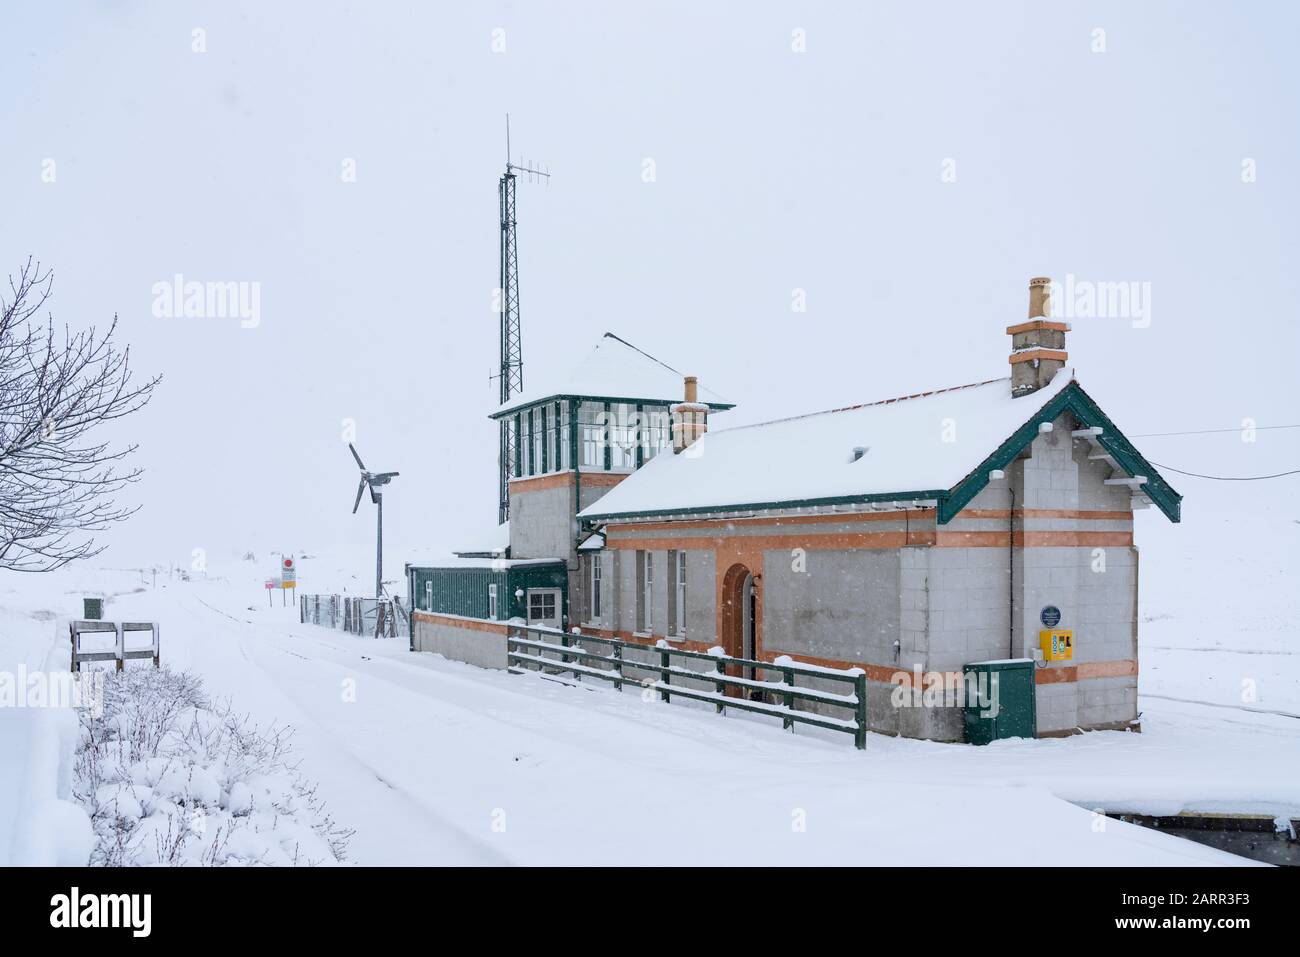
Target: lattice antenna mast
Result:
[511, 371]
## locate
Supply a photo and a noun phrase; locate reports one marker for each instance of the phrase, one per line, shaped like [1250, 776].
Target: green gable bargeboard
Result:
[951, 501]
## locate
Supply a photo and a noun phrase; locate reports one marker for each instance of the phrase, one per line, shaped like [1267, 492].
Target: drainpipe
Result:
[576, 462]
[1011, 574]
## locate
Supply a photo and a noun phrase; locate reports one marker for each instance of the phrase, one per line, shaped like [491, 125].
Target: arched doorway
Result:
[740, 617]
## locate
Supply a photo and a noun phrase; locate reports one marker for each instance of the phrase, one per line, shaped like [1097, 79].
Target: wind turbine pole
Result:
[379, 551]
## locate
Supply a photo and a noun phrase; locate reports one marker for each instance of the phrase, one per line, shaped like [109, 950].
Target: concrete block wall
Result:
[1094, 585]
[590, 492]
[946, 604]
[1100, 700]
[1057, 706]
[619, 583]
[1105, 613]
[838, 605]
[841, 605]
[968, 607]
[625, 619]
[542, 523]
[467, 640]
[701, 596]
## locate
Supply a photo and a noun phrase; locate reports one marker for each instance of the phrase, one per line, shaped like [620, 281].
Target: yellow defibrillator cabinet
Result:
[1057, 644]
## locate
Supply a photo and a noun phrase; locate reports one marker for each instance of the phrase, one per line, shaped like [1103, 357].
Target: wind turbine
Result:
[376, 481]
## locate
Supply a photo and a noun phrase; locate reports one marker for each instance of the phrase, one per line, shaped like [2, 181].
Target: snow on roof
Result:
[618, 370]
[493, 541]
[925, 442]
[498, 563]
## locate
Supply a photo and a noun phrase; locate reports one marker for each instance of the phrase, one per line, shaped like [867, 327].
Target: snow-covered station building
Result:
[908, 537]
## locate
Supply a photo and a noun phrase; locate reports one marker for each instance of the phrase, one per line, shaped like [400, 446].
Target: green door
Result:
[999, 700]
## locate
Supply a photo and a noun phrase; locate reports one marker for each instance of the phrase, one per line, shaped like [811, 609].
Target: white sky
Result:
[775, 170]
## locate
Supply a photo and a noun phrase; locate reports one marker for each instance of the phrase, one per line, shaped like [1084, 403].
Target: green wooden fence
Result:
[549, 649]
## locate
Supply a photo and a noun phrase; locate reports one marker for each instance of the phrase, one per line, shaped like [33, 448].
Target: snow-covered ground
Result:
[436, 762]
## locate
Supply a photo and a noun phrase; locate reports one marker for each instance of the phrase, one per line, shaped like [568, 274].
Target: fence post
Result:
[121, 647]
[788, 722]
[860, 692]
[721, 669]
[664, 677]
[564, 658]
[75, 638]
[618, 666]
[156, 652]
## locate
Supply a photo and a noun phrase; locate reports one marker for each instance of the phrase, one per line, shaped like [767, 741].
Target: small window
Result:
[515, 448]
[596, 573]
[428, 596]
[624, 430]
[656, 431]
[677, 593]
[541, 605]
[645, 592]
[537, 417]
[492, 601]
[525, 442]
[593, 433]
[565, 428]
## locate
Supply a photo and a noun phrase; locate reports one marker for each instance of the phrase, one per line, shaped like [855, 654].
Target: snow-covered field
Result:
[436, 762]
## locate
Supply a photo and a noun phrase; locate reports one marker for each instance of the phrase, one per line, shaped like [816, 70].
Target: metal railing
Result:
[357, 616]
[561, 652]
[120, 653]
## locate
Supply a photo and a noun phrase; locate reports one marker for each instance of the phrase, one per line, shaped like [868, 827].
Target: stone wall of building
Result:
[893, 591]
[542, 523]
[471, 640]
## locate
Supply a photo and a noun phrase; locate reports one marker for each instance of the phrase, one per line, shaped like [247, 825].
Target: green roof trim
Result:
[951, 501]
[1074, 400]
[762, 506]
[511, 410]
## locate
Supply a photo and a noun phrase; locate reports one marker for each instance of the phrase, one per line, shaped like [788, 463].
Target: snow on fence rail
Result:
[120, 653]
[357, 616]
[558, 651]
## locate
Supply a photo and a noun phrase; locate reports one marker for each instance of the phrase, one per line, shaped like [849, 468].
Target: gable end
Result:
[1074, 400]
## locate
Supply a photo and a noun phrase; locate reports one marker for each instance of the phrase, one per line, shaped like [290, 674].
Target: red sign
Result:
[288, 563]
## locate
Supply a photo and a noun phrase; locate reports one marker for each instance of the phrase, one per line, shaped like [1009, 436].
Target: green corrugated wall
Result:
[464, 591]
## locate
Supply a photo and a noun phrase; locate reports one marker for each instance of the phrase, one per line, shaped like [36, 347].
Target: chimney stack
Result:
[690, 418]
[1037, 346]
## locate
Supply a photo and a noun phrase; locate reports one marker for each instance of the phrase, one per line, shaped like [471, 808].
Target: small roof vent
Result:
[859, 451]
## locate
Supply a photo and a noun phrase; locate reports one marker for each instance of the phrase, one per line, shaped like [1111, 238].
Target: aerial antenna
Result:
[511, 370]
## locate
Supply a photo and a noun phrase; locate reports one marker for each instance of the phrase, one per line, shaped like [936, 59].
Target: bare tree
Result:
[58, 481]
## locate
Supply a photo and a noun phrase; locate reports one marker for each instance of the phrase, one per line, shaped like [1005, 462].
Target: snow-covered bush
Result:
[170, 777]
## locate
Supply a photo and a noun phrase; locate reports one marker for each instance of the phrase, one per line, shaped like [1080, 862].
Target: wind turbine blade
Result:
[357, 504]
[360, 464]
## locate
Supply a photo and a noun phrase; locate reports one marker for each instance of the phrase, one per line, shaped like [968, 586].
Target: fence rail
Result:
[560, 652]
[357, 616]
[120, 653]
